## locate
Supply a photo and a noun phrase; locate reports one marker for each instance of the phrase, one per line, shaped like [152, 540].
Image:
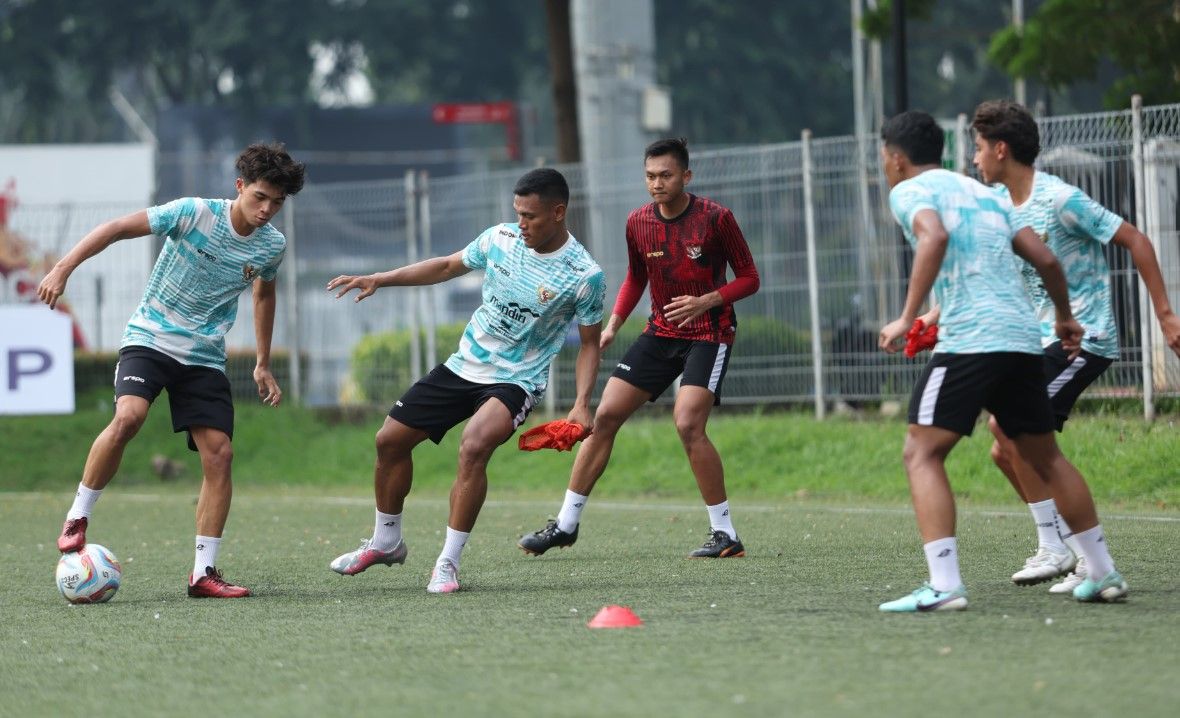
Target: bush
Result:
[381, 362]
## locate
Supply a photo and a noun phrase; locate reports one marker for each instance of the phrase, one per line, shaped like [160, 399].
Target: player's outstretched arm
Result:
[1029, 247]
[586, 373]
[428, 271]
[95, 241]
[932, 242]
[1143, 255]
[264, 323]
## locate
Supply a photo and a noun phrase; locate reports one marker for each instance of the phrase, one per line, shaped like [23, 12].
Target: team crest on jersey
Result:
[545, 294]
[249, 273]
[693, 251]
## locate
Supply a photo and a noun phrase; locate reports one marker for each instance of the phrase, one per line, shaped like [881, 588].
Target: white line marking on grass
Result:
[609, 505]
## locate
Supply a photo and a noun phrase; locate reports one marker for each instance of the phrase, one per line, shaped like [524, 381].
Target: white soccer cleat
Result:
[444, 578]
[1045, 565]
[1073, 580]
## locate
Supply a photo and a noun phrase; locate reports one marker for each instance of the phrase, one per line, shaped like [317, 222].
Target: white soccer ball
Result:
[91, 575]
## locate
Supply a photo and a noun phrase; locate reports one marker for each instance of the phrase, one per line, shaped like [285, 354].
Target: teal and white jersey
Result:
[191, 299]
[528, 302]
[1076, 229]
[984, 305]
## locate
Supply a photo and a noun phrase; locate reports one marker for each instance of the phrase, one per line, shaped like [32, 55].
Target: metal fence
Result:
[832, 261]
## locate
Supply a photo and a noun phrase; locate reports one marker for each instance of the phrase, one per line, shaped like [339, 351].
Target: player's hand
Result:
[581, 415]
[1070, 333]
[1170, 325]
[683, 309]
[892, 333]
[605, 339]
[367, 284]
[53, 286]
[268, 388]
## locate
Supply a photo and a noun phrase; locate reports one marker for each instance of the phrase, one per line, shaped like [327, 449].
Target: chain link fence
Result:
[833, 264]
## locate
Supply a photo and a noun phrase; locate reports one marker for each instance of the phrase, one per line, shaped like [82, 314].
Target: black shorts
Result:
[442, 399]
[197, 395]
[954, 388]
[653, 363]
[1066, 380]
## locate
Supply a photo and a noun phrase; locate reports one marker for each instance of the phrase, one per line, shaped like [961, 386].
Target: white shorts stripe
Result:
[930, 396]
[718, 364]
[1064, 377]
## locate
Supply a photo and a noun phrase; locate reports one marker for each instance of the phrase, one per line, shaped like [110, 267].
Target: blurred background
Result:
[416, 117]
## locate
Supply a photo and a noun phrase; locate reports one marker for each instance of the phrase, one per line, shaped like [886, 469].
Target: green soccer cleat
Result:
[1111, 588]
[927, 599]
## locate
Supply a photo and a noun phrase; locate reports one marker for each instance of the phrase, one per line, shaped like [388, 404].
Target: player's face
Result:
[259, 201]
[540, 221]
[988, 160]
[665, 178]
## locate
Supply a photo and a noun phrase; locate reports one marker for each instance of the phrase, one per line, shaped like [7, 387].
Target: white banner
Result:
[36, 361]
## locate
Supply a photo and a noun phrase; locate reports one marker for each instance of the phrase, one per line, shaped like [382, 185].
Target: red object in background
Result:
[559, 434]
[504, 113]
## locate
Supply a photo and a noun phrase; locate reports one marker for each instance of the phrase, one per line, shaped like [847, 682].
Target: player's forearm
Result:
[585, 373]
[927, 261]
[428, 271]
[264, 322]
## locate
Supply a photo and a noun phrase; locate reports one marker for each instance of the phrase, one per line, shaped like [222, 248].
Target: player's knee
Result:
[608, 422]
[689, 428]
[125, 426]
[390, 445]
[475, 450]
[218, 456]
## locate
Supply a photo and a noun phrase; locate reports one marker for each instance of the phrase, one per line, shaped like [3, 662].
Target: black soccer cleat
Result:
[549, 537]
[720, 545]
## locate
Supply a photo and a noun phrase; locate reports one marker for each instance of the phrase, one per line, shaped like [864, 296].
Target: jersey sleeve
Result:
[1082, 216]
[271, 271]
[175, 219]
[475, 255]
[634, 281]
[591, 298]
[737, 253]
[906, 200]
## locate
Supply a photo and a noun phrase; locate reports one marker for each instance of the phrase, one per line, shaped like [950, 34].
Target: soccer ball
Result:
[91, 575]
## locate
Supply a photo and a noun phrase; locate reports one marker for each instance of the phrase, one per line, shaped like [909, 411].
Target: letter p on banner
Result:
[36, 361]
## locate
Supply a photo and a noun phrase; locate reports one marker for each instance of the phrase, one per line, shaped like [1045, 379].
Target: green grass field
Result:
[792, 629]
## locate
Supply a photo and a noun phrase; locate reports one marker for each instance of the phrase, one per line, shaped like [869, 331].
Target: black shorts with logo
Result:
[197, 395]
[954, 388]
[1066, 379]
[653, 363]
[442, 399]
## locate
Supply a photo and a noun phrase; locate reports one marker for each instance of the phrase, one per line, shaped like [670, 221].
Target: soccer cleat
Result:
[1111, 588]
[1044, 565]
[354, 562]
[720, 545]
[1073, 580]
[549, 537]
[73, 535]
[444, 578]
[927, 599]
[212, 585]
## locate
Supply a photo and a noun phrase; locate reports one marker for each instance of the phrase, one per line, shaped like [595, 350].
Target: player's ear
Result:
[559, 212]
[687, 176]
[240, 184]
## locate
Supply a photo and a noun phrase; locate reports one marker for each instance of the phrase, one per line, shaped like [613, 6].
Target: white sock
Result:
[455, 542]
[942, 556]
[1067, 536]
[387, 532]
[571, 511]
[207, 547]
[1097, 553]
[83, 503]
[1045, 515]
[719, 519]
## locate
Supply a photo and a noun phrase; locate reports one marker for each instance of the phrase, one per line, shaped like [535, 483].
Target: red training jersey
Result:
[686, 255]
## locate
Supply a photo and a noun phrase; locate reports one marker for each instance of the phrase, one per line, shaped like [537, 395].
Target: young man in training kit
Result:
[680, 244]
[988, 354]
[1076, 229]
[537, 278]
[175, 340]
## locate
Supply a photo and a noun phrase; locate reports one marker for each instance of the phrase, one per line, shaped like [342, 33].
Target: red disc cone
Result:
[614, 617]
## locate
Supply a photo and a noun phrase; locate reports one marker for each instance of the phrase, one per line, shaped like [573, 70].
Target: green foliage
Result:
[381, 362]
[1067, 40]
[878, 23]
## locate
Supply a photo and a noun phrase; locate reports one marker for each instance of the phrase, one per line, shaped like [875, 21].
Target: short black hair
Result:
[997, 120]
[271, 163]
[546, 183]
[675, 146]
[916, 134]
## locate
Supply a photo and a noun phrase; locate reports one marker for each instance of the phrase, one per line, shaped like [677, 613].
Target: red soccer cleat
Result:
[73, 535]
[212, 585]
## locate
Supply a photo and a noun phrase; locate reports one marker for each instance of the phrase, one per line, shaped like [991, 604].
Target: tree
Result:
[561, 71]
[1067, 40]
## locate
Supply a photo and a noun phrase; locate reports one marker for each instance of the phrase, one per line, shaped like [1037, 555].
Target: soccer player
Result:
[1076, 229]
[175, 340]
[680, 244]
[536, 278]
[988, 354]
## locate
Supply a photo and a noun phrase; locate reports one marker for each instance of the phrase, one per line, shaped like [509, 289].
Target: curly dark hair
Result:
[271, 163]
[675, 146]
[1008, 121]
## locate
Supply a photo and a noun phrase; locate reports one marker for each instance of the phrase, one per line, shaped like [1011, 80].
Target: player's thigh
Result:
[620, 399]
[502, 408]
[693, 406]
[705, 365]
[436, 403]
[1066, 378]
[652, 363]
[951, 391]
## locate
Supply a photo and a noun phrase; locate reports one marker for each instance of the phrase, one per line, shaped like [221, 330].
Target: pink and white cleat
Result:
[444, 578]
[354, 562]
[73, 535]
